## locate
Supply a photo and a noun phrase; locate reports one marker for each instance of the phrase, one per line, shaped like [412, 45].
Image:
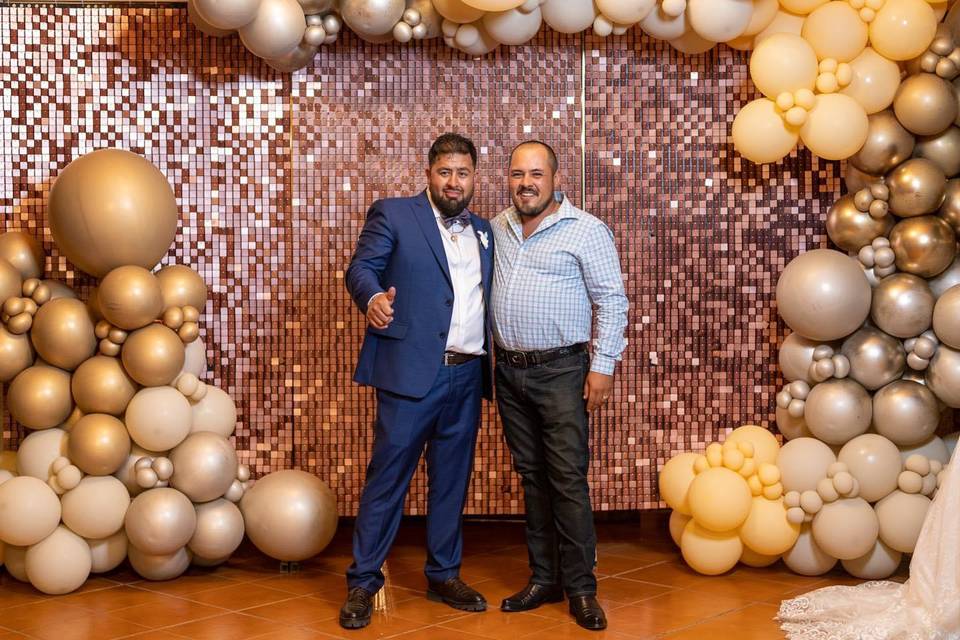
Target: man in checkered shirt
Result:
[554, 263]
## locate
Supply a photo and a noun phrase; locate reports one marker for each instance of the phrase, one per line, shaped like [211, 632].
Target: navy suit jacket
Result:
[400, 246]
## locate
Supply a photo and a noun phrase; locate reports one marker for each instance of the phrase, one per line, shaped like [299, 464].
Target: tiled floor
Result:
[645, 587]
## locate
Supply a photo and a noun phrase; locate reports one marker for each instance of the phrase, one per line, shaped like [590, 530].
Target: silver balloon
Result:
[160, 521]
[838, 410]
[165, 566]
[876, 359]
[943, 376]
[943, 149]
[796, 356]
[905, 412]
[204, 466]
[219, 529]
[902, 305]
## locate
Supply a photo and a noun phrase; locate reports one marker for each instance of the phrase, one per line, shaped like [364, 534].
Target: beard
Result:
[531, 209]
[448, 207]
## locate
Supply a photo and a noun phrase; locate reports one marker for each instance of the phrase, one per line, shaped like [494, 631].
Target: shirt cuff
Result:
[603, 364]
[379, 293]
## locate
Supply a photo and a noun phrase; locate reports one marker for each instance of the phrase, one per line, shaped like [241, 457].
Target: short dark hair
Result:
[452, 143]
[551, 154]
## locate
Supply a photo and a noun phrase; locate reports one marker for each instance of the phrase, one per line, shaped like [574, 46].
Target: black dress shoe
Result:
[356, 611]
[456, 594]
[588, 612]
[531, 597]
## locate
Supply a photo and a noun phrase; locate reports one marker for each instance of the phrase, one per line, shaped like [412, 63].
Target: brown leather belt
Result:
[527, 359]
[452, 358]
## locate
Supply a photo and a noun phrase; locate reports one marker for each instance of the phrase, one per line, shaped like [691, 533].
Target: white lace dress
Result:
[926, 607]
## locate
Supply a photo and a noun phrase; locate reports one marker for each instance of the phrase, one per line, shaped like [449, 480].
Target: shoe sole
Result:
[507, 609]
[436, 597]
[356, 623]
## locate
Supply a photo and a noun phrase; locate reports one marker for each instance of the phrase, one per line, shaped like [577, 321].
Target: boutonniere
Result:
[484, 240]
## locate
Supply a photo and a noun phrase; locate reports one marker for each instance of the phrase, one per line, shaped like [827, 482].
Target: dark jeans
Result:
[545, 423]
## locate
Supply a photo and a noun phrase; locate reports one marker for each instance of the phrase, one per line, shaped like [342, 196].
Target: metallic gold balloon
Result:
[371, 17]
[63, 334]
[888, 144]
[430, 18]
[23, 252]
[943, 149]
[857, 180]
[290, 515]
[925, 104]
[905, 412]
[946, 318]
[838, 410]
[916, 188]
[93, 304]
[851, 229]
[130, 297]
[924, 246]
[950, 209]
[902, 305]
[160, 521]
[299, 58]
[182, 286]
[59, 290]
[876, 359]
[16, 354]
[153, 355]
[943, 376]
[98, 444]
[204, 466]
[39, 397]
[10, 281]
[219, 529]
[100, 385]
[110, 208]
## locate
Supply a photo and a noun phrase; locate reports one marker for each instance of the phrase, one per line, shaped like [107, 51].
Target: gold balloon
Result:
[950, 209]
[943, 149]
[23, 252]
[16, 354]
[98, 444]
[924, 246]
[888, 144]
[875, 81]
[925, 104]
[916, 188]
[153, 355]
[852, 229]
[902, 305]
[100, 385]
[903, 29]
[10, 281]
[63, 333]
[855, 179]
[39, 397]
[110, 208]
[59, 290]
[182, 286]
[130, 297]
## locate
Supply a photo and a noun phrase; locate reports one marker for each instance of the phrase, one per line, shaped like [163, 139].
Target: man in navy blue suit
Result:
[421, 274]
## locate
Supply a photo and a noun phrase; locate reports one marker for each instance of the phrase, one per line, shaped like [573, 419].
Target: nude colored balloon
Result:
[216, 412]
[835, 30]
[164, 566]
[925, 104]
[227, 14]
[806, 558]
[127, 471]
[39, 397]
[371, 17]
[836, 127]
[100, 385]
[96, 507]
[62, 333]
[664, 26]
[875, 81]
[160, 521]
[902, 305]
[925, 245]
[784, 62]
[875, 463]
[29, 511]
[513, 27]
[846, 529]
[887, 145]
[158, 418]
[901, 517]
[60, 563]
[98, 444]
[22, 251]
[709, 552]
[803, 462]
[110, 208]
[823, 295]
[760, 133]
[876, 359]
[460, 12]
[130, 297]
[879, 563]
[622, 11]
[796, 356]
[16, 354]
[195, 359]
[719, 20]
[289, 515]
[15, 559]
[276, 30]
[153, 355]
[219, 529]
[38, 451]
[674, 481]
[692, 43]
[903, 29]
[205, 27]
[204, 466]
[108, 553]
[943, 376]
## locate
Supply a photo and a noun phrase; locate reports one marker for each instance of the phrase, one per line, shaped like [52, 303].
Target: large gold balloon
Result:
[834, 30]
[153, 355]
[204, 466]
[39, 397]
[925, 104]
[925, 245]
[836, 127]
[875, 81]
[160, 521]
[11, 281]
[276, 30]
[851, 229]
[887, 145]
[902, 305]
[110, 208]
[59, 290]
[130, 297]
[950, 209]
[98, 444]
[100, 385]
[876, 359]
[16, 354]
[182, 286]
[760, 134]
[942, 149]
[943, 376]
[916, 188]
[946, 317]
[290, 515]
[903, 29]
[838, 410]
[63, 333]
[23, 252]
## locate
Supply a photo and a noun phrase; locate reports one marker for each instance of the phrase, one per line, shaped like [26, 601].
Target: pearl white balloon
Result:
[164, 566]
[219, 529]
[513, 27]
[276, 30]
[60, 563]
[108, 553]
[96, 507]
[38, 451]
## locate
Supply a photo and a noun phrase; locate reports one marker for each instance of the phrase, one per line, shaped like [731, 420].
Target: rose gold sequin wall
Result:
[273, 174]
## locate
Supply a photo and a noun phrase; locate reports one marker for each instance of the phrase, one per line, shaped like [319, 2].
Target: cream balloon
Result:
[164, 566]
[835, 30]
[664, 26]
[751, 558]
[677, 524]
[29, 511]
[719, 499]
[901, 517]
[881, 562]
[692, 43]
[803, 462]
[709, 552]
[60, 563]
[766, 530]
[875, 463]
[195, 359]
[460, 12]
[764, 443]
[204, 466]
[875, 81]
[107, 553]
[276, 30]
[764, 11]
[626, 11]
[801, 7]
[227, 14]
[846, 529]
[903, 29]
[806, 558]
[96, 507]
[493, 5]
[15, 559]
[513, 27]
[158, 418]
[760, 133]
[674, 481]
[782, 63]
[38, 451]
[836, 127]
[160, 521]
[219, 529]
[216, 412]
[719, 20]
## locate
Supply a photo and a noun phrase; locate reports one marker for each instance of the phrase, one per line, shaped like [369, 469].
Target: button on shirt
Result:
[545, 286]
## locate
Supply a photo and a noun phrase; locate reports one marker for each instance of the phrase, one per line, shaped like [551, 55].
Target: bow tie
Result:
[462, 219]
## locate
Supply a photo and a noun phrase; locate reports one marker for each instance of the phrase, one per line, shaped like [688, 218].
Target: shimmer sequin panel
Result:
[364, 117]
[703, 236]
[213, 119]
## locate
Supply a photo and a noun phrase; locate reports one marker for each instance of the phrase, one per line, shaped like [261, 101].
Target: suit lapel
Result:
[428, 225]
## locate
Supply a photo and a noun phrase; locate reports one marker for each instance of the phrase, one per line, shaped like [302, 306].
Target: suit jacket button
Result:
[443, 334]
[449, 302]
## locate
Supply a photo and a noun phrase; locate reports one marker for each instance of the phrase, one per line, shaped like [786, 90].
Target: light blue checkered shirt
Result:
[545, 286]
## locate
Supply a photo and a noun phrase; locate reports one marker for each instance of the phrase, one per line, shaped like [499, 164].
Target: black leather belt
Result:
[527, 359]
[452, 358]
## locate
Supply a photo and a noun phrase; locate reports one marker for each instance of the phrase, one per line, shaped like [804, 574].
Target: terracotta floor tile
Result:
[157, 634]
[628, 591]
[12, 635]
[643, 622]
[496, 624]
[674, 574]
[228, 626]
[737, 586]
[611, 564]
[760, 616]
[692, 603]
[299, 611]
[166, 612]
[295, 634]
[382, 625]
[96, 583]
[571, 631]
[386, 598]
[185, 585]
[116, 597]
[305, 583]
[14, 593]
[438, 633]
[40, 612]
[239, 596]
[718, 631]
[426, 612]
[96, 626]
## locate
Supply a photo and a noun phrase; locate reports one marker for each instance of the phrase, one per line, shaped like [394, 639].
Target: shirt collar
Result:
[565, 211]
